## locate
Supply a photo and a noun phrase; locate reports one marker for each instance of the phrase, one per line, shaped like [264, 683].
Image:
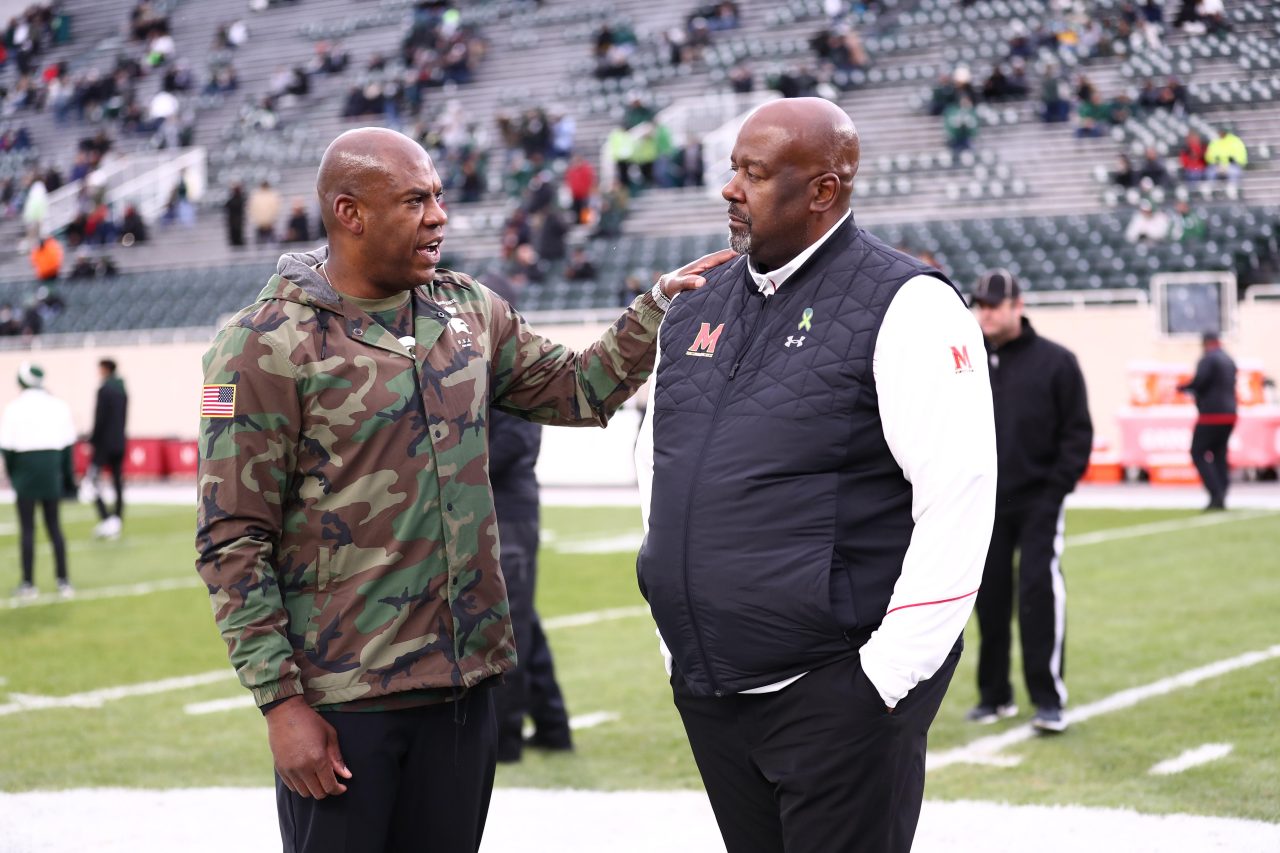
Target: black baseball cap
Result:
[993, 287]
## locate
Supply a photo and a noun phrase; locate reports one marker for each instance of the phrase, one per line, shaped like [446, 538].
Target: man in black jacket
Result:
[1043, 439]
[529, 690]
[1214, 387]
[814, 541]
[108, 443]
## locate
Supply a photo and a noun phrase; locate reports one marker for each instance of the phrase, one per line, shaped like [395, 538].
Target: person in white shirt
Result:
[1148, 225]
[818, 472]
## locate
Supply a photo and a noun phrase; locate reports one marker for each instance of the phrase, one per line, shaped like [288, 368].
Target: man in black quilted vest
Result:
[818, 472]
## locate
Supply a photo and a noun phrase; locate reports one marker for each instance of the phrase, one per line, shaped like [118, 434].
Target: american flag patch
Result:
[218, 401]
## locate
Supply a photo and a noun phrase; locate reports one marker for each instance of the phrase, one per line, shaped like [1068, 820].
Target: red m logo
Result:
[705, 344]
[961, 356]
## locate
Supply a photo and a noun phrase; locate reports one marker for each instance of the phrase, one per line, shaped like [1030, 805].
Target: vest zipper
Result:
[751, 337]
[693, 482]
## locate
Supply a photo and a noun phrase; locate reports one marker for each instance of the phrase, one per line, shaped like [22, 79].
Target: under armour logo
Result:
[794, 341]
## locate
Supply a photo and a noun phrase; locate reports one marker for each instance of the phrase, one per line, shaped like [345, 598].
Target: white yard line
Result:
[593, 719]
[619, 544]
[20, 702]
[1155, 528]
[577, 620]
[125, 591]
[215, 706]
[1192, 758]
[982, 750]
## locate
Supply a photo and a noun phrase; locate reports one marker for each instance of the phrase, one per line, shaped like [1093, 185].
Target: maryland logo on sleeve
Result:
[218, 401]
[704, 345]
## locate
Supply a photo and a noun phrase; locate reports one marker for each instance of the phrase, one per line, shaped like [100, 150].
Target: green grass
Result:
[1141, 609]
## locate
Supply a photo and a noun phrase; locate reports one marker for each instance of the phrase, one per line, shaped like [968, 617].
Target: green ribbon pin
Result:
[805, 324]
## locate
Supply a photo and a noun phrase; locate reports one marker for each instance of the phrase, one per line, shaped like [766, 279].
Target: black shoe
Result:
[1049, 721]
[1216, 506]
[985, 715]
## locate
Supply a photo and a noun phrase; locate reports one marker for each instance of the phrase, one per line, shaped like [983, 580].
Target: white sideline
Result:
[1153, 528]
[1192, 758]
[19, 702]
[982, 750]
[114, 820]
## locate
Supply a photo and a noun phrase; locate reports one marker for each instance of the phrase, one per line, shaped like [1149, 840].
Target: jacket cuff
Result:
[649, 311]
[268, 694]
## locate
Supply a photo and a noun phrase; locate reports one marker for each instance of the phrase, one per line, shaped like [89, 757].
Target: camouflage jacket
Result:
[346, 529]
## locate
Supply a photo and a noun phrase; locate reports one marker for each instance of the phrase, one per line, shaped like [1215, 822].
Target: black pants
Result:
[1209, 453]
[817, 767]
[27, 537]
[116, 464]
[421, 781]
[1034, 531]
[530, 689]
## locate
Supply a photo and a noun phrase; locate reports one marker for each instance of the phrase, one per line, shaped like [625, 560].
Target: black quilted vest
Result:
[779, 517]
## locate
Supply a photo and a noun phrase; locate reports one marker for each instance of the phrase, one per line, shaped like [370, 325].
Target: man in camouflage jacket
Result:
[346, 527]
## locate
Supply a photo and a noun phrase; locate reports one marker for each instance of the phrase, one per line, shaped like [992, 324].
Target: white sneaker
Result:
[26, 592]
[66, 590]
[108, 528]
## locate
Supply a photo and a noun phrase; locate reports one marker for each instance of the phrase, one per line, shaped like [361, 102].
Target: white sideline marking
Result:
[215, 706]
[576, 620]
[1156, 527]
[595, 718]
[19, 702]
[1192, 758]
[621, 543]
[984, 748]
[126, 591]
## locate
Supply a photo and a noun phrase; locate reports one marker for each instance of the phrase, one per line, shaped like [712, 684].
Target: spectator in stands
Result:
[9, 324]
[35, 205]
[1188, 226]
[580, 267]
[1054, 97]
[1092, 117]
[329, 58]
[580, 180]
[1191, 162]
[36, 438]
[742, 79]
[621, 147]
[264, 208]
[613, 209]
[88, 265]
[943, 94]
[233, 210]
[960, 124]
[691, 165]
[1152, 169]
[46, 258]
[297, 229]
[1226, 156]
[550, 230]
[1148, 225]
[132, 228]
[1124, 176]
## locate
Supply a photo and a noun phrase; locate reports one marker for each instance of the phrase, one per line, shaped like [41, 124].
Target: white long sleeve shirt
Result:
[936, 412]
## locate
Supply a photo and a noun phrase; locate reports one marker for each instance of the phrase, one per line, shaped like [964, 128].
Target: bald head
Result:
[359, 161]
[814, 133]
[793, 166]
[382, 204]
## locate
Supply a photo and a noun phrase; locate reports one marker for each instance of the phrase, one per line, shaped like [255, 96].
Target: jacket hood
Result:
[297, 280]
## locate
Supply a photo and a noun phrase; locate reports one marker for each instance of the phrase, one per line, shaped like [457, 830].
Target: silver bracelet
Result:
[659, 297]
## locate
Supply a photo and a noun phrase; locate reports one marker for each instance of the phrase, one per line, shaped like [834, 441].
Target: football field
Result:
[1173, 663]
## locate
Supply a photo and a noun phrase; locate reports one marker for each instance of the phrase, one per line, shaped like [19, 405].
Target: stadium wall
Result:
[164, 380]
